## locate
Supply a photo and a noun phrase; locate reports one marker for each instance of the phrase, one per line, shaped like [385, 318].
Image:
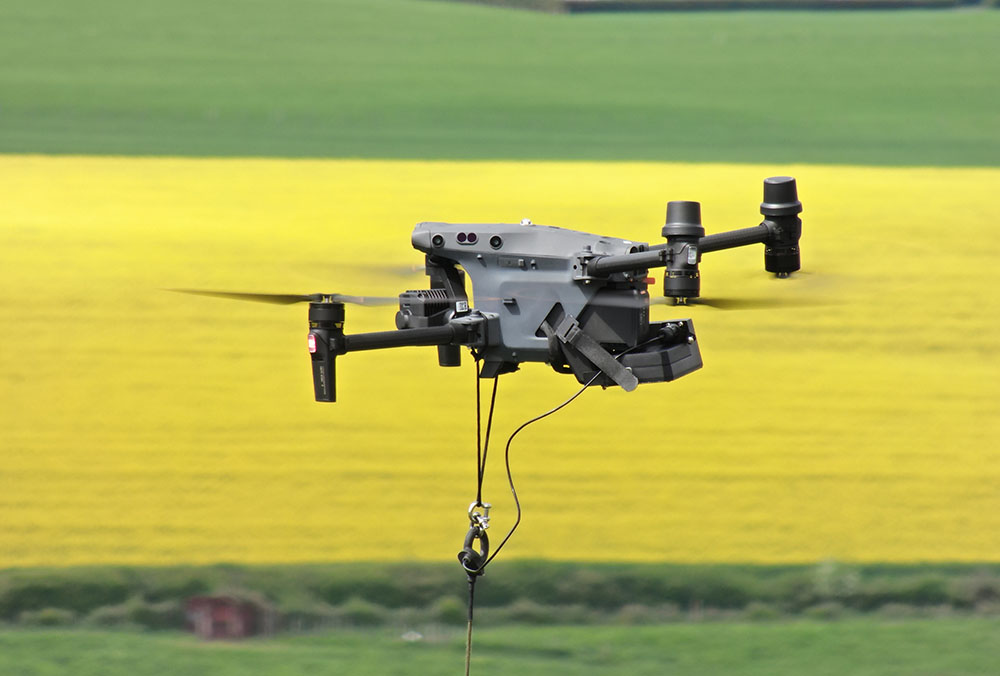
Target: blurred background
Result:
[822, 492]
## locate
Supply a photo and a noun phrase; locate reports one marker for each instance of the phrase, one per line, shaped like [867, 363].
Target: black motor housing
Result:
[780, 208]
[683, 230]
[326, 334]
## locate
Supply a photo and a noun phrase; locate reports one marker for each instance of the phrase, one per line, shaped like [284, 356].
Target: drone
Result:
[574, 300]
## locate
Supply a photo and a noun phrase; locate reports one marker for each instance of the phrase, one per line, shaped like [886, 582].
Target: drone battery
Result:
[326, 331]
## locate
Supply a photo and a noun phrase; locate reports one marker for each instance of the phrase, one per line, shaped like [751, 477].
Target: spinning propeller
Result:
[291, 298]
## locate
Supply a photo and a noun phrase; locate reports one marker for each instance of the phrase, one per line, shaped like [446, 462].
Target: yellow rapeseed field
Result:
[854, 414]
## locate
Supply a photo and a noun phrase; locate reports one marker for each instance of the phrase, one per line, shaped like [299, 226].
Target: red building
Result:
[226, 617]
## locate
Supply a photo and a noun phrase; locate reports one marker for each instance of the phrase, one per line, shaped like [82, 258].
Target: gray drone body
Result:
[574, 300]
[532, 286]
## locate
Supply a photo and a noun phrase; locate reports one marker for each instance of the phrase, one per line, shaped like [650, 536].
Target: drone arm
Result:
[780, 231]
[659, 255]
[734, 238]
[686, 242]
[376, 340]
[663, 255]
[467, 330]
[633, 262]
[327, 340]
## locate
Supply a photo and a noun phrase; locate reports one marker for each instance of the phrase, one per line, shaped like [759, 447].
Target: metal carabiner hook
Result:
[477, 519]
[472, 560]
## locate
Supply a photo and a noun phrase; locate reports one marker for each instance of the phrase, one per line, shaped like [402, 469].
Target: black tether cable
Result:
[479, 438]
[477, 569]
[483, 445]
[473, 561]
[468, 635]
[510, 477]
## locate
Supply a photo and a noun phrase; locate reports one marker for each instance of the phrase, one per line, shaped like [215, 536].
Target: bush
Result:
[174, 588]
[972, 590]
[913, 591]
[538, 592]
[137, 612]
[834, 581]
[307, 616]
[525, 611]
[163, 615]
[449, 610]
[357, 612]
[757, 611]
[795, 591]
[47, 617]
[828, 610]
[720, 590]
[110, 616]
[590, 587]
[925, 591]
[395, 586]
[76, 590]
[637, 613]
[898, 611]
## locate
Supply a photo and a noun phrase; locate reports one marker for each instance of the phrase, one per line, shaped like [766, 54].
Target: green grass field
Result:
[858, 647]
[422, 79]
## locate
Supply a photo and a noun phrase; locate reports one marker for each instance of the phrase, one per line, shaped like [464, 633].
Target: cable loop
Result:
[472, 559]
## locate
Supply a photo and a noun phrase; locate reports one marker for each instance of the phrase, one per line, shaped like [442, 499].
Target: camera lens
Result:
[437, 240]
[496, 241]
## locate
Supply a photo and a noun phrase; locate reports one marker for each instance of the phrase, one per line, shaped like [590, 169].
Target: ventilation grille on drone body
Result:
[433, 300]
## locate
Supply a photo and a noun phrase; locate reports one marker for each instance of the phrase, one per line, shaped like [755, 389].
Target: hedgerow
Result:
[305, 597]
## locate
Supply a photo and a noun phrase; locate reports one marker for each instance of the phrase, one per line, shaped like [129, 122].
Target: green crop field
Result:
[423, 79]
[956, 647]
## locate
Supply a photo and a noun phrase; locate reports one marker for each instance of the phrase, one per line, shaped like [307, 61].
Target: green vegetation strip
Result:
[534, 592]
[688, 5]
[408, 79]
[859, 647]
[581, 6]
